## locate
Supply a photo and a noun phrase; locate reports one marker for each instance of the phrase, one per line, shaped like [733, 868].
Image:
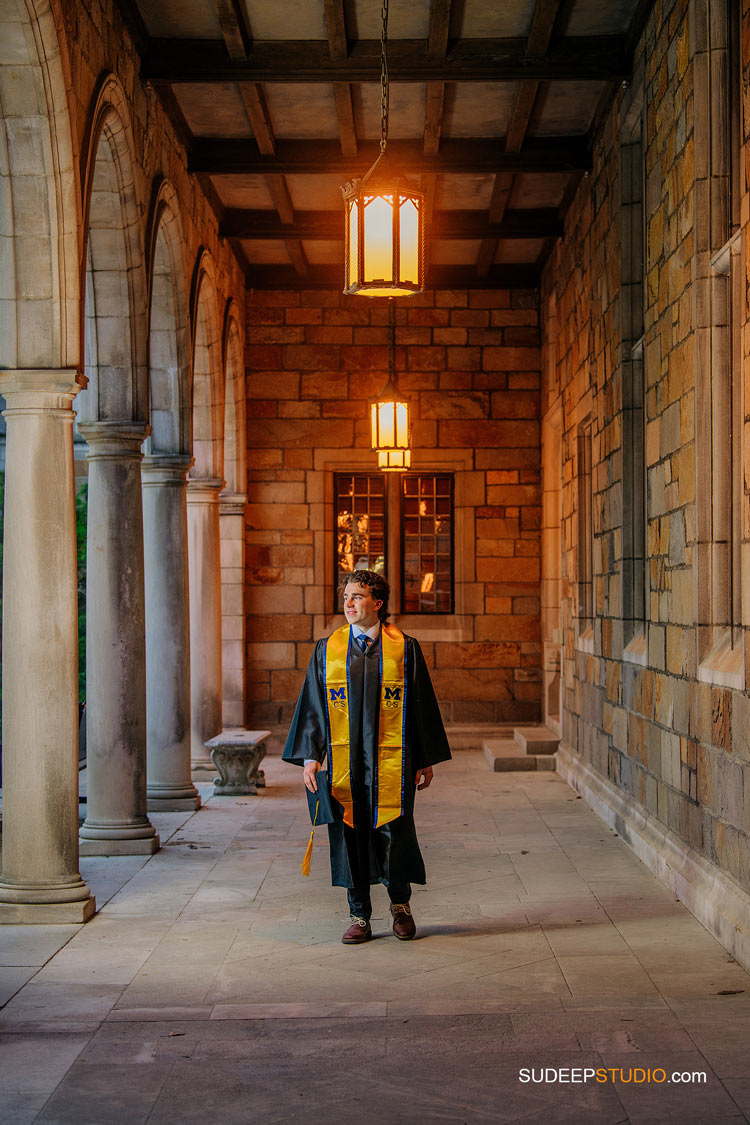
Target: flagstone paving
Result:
[213, 986]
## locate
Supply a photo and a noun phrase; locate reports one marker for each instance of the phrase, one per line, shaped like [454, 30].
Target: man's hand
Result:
[311, 781]
[423, 778]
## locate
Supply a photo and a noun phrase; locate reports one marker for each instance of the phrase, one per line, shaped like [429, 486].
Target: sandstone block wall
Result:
[470, 363]
[644, 716]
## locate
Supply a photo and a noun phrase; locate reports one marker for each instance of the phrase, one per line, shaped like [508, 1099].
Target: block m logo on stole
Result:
[392, 697]
[338, 698]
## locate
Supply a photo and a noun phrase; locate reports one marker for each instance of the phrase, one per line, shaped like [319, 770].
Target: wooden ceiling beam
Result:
[338, 47]
[468, 156]
[537, 46]
[282, 200]
[328, 225]
[501, 190]
[542, 26]
[234, 28]
[440, 22]
[486, 256]
[540, 34]
[342, 93]
[338, 41]
[523, 107]
[433, 118]
[257, 111]
[437, 46]
[524, 275]
[577, 59]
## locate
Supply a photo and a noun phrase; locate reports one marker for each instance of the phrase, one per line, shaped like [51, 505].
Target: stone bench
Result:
[237, 754]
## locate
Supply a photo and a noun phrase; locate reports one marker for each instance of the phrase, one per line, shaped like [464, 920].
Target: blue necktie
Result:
[363, 641]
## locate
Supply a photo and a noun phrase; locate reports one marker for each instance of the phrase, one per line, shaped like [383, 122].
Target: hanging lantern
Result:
[384, 230]
[389, 414]
[384, 236]
[389, 425]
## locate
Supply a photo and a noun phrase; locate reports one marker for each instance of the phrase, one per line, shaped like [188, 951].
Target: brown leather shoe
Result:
[358, 932]
[403, 923]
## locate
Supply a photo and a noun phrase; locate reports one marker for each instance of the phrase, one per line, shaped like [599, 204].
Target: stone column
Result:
[169, 786]
[205, 616]
[116, 823]
[40, 880]
[232, 527]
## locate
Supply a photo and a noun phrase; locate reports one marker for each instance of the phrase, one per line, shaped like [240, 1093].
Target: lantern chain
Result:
[384, 85]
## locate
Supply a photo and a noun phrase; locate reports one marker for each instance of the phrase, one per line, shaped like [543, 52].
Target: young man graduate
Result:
[368, 704]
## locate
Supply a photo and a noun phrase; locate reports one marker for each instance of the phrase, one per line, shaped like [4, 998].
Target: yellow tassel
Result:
[305, 866]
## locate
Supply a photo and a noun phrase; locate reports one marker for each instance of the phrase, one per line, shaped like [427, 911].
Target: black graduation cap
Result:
[321, 812]
[319, 804]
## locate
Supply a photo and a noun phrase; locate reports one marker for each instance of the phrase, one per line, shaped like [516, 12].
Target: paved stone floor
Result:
[212, 985]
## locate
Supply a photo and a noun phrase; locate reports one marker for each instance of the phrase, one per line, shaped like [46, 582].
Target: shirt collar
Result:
[373, 632]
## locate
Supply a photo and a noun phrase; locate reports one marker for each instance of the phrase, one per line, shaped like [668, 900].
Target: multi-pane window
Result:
[400, 524]
[427, 536]
[360, 523]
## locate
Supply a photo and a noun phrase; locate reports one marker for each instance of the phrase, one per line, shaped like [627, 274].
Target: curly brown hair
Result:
[374, 581]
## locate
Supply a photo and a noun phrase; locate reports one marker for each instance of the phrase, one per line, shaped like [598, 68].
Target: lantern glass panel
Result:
[402, 425]
[353, 240]
[409, 247]
[378, 265]
[386, 436]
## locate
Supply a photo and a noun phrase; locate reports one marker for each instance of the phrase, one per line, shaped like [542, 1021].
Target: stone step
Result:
[536, 740]
[471, 736]
[505, 756]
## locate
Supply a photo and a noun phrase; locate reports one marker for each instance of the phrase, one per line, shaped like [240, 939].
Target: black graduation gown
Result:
[365, 854]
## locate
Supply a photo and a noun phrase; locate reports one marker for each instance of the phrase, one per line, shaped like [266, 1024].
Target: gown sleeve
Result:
[425, 731]
[307, 736]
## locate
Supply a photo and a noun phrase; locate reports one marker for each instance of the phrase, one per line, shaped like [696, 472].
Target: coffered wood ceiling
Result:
[493, 108]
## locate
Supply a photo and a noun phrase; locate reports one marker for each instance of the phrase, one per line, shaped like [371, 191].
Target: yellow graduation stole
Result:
[389, 774]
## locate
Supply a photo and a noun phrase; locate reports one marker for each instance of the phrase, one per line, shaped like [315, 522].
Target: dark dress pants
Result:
[359, 897]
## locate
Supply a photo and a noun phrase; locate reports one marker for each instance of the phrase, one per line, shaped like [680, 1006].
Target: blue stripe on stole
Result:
[376, 771]
[325, 708]
[403, 737]
[349, 708]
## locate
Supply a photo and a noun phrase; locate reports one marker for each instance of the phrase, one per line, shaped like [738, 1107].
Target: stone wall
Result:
[470, 363]
[652, 708]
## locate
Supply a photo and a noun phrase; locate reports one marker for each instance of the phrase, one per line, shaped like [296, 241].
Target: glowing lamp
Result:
[384, 217]
[389, 428]
[384, 235]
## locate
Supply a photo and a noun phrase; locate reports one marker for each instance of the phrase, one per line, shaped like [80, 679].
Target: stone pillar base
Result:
[198, 765]
[174, 804]
[119, 847]
[46, 913]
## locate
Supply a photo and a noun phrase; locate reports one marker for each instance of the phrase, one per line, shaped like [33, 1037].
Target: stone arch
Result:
[235, 459]
[39, 196]
[115, 295]
[207, 402]
[169, 334]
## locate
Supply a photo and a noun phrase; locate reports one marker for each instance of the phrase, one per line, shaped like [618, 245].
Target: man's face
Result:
[360, 607]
